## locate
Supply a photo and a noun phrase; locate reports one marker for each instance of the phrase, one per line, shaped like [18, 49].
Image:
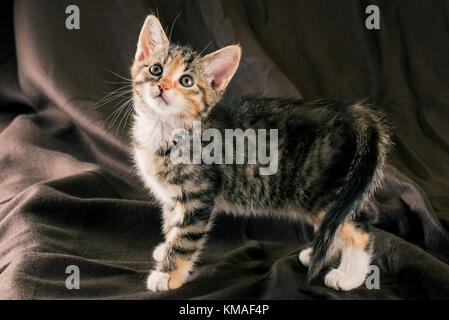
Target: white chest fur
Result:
[149, 135]
[148, 165]
[151, 131]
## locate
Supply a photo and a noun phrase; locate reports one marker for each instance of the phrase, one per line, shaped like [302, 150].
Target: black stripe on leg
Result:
[187, 196]
[182, 251]
[167, 265]
[197, 216]
[193, 236]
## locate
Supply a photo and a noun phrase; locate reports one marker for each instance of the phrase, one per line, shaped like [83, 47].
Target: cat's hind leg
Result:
[355, 246]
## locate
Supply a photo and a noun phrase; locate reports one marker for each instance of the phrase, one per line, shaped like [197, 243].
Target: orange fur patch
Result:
[179, 276]
[354, 237]
[316, 217]
[174, 66]
[196, 107]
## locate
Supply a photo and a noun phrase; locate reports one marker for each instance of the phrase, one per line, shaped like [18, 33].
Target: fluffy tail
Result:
[364, 176]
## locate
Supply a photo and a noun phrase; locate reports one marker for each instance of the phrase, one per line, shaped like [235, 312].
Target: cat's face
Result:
[175, 81]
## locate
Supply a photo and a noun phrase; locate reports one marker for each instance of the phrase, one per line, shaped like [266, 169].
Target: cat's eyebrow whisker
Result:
[173, 24]
[207, 46]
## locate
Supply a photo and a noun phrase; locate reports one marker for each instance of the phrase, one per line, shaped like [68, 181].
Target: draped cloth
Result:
[69, 194]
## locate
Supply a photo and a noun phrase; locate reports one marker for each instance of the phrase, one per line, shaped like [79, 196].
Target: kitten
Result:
[329, 161]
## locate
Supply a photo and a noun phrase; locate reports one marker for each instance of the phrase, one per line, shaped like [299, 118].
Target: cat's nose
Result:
[164, 86]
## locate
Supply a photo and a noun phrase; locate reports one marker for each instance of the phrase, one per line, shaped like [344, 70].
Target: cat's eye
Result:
[156, 69]
[186, 81]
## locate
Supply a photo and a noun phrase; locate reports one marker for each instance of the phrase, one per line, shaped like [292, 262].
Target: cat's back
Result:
[257, 112]
[316, 143]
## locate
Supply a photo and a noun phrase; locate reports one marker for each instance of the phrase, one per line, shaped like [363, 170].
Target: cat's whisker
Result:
[127, 87]
[112, 116]
[116, 117]
[116, 113]
[129, 114]
[117, 82]
[122, 106]
[105, 103]
[127, 107]
[118, 75]
[114, 93]
[111, 97]
[117, 92]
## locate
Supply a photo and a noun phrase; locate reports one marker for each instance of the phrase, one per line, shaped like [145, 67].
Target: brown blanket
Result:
[69, 195]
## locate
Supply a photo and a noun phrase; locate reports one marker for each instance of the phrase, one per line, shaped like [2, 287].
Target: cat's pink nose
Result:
[164, 86]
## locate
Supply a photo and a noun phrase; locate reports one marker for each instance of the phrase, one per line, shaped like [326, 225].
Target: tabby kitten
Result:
[330, 157]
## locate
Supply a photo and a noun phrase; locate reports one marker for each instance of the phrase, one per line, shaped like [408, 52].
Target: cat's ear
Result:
[152, 36]
[221, 65]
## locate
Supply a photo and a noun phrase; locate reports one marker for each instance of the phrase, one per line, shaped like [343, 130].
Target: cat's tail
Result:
[365, 175]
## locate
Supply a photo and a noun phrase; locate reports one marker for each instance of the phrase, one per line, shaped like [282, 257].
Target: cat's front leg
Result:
[169, 220]
[182, 245]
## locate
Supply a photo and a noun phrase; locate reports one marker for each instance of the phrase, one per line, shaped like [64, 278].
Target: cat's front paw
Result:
[162, 281]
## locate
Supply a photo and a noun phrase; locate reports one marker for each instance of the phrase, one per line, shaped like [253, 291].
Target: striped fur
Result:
[331, 157]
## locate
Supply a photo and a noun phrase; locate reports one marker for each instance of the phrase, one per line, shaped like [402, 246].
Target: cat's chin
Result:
[155, 112]
[160, 100]
[159, 109]
[153, 108]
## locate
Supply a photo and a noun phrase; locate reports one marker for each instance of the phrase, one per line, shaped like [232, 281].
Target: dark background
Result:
[68, 192]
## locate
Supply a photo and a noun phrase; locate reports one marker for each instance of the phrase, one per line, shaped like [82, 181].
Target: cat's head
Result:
[175, 81]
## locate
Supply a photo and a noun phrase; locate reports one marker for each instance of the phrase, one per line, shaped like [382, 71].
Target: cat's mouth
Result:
[160, 97]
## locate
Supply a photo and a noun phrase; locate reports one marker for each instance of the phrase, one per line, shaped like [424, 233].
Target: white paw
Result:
[159, 252]
[339, 280]
[162, 281]
[158, 281]
[304, 256]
